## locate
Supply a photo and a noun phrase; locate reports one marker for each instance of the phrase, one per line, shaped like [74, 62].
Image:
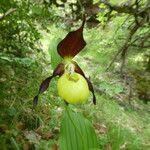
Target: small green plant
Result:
[123, 138]
[76, 132]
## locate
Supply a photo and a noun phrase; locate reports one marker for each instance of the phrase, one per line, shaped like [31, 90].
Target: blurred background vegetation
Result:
[116, 58]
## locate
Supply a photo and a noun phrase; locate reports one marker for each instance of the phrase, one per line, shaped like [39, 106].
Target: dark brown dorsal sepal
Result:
[73, 43]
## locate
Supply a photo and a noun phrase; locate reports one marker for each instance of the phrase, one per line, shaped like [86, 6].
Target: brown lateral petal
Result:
[72, 44]
[45, 84]
[91, 89]
[79, 70]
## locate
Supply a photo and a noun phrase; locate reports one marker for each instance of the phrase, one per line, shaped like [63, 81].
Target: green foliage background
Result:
[28, 42]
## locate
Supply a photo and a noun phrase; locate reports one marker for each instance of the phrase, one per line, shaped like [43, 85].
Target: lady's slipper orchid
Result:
[73, 86]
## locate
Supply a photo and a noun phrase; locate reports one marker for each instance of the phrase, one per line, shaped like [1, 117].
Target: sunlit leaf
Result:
[76, 132]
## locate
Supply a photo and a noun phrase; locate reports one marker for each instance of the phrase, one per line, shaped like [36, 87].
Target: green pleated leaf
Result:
[55, 57]
[76, 132]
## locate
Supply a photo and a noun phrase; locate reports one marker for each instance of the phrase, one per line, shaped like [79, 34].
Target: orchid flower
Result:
[68, 48]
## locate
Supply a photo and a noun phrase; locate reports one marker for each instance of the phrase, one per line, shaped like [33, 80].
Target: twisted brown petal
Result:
[73, 43]
[79, 70]
[45, 84]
